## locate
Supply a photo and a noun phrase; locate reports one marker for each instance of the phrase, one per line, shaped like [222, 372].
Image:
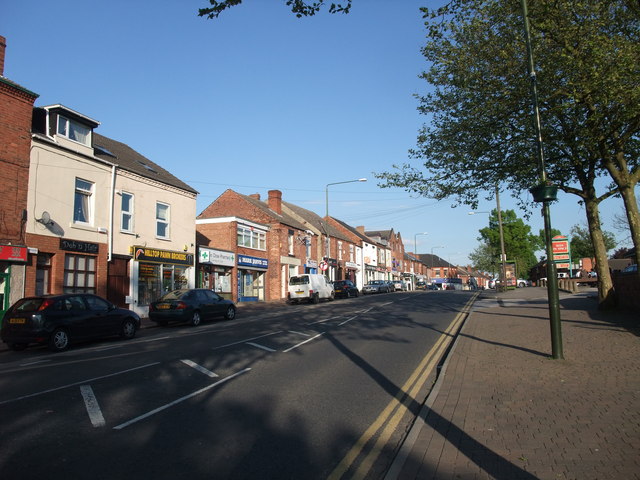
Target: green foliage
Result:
[485, 259]
[300, 8]
[519, 243]
[582, 246]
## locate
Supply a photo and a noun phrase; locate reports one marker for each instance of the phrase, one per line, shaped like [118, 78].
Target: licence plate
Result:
[17, 320]
[163, 306]
[299, 292]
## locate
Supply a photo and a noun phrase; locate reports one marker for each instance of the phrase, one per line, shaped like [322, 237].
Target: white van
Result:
[310, 287]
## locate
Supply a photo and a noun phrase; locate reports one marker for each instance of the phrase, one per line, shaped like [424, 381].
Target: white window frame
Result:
[88, 194]
[290, 242]
[339, 250]
[251, 238]
[127, 213]
[74, 131]
[162, 221]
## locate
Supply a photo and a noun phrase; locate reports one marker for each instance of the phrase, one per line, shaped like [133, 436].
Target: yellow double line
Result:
[408, 391]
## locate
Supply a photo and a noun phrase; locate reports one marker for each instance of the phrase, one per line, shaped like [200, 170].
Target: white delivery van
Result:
[310, 287]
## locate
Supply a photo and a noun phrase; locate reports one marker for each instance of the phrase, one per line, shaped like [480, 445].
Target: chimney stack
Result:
[255, 195]
[275, 201]
[3, 47]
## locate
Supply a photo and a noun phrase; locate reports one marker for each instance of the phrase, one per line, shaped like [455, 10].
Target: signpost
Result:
[561, 251]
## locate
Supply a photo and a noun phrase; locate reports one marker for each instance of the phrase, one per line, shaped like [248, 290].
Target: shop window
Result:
[290, 242]
[43, 274]
[351, 254]
[127, 212]
[79, 274]
[82, 201]
[339, 250]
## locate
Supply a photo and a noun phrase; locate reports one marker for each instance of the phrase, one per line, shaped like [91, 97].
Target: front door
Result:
[4, 289]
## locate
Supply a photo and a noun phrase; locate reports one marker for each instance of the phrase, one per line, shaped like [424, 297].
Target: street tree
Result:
[485, 258]
[520, 244]
[581, 245]
[480, 132]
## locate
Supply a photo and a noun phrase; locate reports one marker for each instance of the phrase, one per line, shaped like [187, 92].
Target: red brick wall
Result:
[223, 236]
[16, 109]
[51, 245]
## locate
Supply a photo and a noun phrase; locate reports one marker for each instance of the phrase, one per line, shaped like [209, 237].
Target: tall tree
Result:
[519, 243]
[480, 131]
[581, 245]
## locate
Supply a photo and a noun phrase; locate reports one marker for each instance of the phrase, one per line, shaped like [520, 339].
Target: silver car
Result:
[376, 286]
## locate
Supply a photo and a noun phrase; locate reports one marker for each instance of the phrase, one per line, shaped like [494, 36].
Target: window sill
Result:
[83, 226]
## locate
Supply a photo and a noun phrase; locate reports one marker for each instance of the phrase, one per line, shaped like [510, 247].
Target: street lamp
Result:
[326, 190]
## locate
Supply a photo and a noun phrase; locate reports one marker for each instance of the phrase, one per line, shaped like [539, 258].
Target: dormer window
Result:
[73, 130]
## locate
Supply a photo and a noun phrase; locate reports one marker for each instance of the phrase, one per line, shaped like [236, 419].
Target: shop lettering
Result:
[74, 246]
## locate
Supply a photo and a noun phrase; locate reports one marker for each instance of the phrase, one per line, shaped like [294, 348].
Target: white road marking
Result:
[77, 383]
[302, 343]
[181, 399]
[347, 320]
[299, 333]
[93, 409]
[34, 363]
[246, 341]
[257, 345]
[325, 320]
[199, 368]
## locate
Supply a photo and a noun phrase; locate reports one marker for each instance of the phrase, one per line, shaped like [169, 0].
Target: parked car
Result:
[376, 286]
[399, 286]
[310, 287]
[421, 285]
[59, 320]
[633, 268]
[345, 289]
[193, 305]
[521, 283]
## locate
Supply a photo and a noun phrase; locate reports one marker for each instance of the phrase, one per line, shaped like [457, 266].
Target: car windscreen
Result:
[304, 280]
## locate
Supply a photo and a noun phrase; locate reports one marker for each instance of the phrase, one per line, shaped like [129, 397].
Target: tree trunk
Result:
[633, 217]
[606, 297]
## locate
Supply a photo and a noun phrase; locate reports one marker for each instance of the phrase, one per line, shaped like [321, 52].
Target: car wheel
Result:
[128, 329]
[230, 314]
[18, 347]
[59, 340]
[196, 319]
[315, 299]
[357, 294]
[332, 297]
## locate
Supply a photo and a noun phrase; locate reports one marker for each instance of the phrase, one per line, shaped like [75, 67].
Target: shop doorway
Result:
[4, 289]
[251, 286]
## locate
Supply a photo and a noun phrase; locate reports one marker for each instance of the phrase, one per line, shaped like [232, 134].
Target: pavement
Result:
[502, 408]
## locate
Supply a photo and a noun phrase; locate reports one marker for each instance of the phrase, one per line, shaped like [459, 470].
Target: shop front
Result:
[251, 278]
[351, 271]
[156, 272]
[311, 266]
[215, 268]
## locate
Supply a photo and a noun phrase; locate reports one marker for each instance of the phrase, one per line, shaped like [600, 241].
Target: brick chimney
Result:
[275, 201]
[255, 195]
[360, 229]
[3, 47]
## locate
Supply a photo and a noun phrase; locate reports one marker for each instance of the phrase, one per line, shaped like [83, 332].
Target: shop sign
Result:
[217, 257]
[332, 262]
[254, 262]
[311, 264]
[351, 265]
[13, 253]
[143, 254]
[80, 247]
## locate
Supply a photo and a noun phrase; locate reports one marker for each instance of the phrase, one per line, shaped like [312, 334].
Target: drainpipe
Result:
[111, 208]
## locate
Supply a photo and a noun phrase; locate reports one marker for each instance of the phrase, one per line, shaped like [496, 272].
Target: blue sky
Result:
[257, 100]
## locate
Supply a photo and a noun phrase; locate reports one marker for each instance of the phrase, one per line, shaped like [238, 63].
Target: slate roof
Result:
[279, 217]
[316, 221]
[355, 231]
[128, 159]
[433, 260]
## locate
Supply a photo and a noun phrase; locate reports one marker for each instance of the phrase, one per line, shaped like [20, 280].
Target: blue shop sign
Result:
[252, 262]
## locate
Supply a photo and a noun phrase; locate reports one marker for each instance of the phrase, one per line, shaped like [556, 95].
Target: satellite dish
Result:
[45, 219]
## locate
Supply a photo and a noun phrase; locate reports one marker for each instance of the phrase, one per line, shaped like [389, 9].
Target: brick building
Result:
[16, 106]
[267, 245]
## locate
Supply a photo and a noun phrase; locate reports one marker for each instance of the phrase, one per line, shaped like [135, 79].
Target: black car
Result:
[345, 289]
[59, 320]
[191, 305]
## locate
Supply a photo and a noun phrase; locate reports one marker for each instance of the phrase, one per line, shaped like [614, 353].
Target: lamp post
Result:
[552, 284]
[415, 246]
[326, 190]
